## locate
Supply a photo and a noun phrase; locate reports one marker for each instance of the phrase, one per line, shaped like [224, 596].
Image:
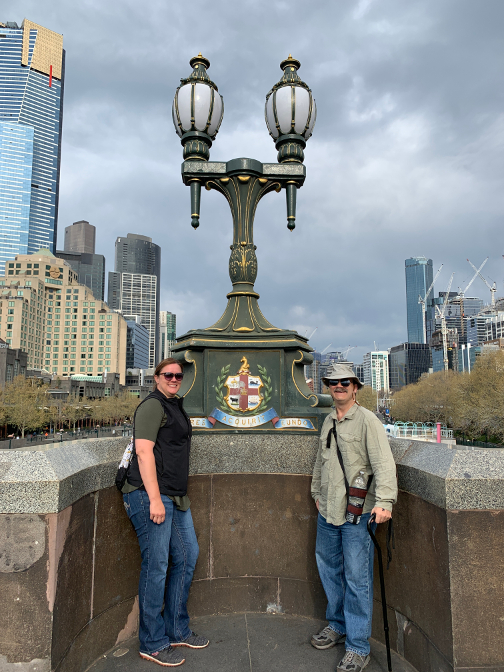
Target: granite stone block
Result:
[263, 525]
[116, 553]
[25, 618]
[476, 571]
[100, 635]
[73, 600]
[199, 490]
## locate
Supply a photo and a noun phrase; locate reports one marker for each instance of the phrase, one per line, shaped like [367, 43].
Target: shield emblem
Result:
[243, 392]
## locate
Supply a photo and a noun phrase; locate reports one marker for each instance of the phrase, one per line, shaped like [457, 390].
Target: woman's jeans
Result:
[344, 556]
[176, 538]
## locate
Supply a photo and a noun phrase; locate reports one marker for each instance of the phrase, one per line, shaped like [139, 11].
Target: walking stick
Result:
[382, 586]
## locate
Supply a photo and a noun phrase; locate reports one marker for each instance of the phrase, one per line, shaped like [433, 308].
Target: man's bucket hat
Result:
[340, 371]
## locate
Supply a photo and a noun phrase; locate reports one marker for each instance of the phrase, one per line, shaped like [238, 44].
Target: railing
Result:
[414, 430]
[101, 432]
[476, 444]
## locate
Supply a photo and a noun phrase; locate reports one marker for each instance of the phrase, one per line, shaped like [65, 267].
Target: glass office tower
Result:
[32, 67]
[418, 280]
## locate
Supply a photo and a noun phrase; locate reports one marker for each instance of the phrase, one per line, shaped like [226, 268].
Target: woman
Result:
[156, 501]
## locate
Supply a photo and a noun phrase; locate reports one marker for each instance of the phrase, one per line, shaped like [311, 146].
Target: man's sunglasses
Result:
[169, 376]
[345, 383]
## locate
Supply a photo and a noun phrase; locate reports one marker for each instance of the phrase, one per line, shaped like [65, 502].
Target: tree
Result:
[366, 397]
[431, 399]
[24, 401]
[73, 410]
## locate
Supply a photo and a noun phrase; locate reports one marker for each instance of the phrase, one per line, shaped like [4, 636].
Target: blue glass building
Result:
[418, 280]
[32, 67]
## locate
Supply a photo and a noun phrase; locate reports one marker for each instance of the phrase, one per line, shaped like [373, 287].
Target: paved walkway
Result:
[250, 643]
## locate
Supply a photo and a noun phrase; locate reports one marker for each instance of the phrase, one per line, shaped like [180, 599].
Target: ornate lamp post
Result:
[243, 334]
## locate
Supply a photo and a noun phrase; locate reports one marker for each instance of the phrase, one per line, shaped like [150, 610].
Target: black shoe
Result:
[167, 657]
[193, 641]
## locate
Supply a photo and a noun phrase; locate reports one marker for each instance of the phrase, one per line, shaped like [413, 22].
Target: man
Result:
[344, 550]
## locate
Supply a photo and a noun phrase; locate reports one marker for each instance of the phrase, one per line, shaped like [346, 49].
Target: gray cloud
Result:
[406, 158]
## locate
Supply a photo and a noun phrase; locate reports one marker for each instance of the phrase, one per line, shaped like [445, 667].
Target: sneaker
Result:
[326, 638]
[167, 657]
[353, 662]
[193, 641]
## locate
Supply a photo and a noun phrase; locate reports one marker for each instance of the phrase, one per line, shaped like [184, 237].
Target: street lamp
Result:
[243, 334]
[198, 109]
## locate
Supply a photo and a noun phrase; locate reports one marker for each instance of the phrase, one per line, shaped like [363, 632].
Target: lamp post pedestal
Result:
[243, 372]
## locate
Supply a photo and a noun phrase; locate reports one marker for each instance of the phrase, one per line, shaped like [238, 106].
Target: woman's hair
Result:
[161, 365]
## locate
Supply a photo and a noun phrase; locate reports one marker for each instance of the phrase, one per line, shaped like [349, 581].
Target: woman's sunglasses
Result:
[169, 376]
[345, 383]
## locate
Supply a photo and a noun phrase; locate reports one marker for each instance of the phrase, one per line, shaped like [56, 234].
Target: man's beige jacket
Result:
[364, 446]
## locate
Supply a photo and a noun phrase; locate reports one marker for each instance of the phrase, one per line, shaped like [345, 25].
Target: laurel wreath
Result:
[220, 394]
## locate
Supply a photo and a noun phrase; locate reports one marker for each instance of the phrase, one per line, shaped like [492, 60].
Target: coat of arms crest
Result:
[244, 390]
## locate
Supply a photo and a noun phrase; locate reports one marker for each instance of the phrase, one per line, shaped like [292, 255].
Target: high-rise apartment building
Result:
[58, 322]
[80, 237]
[134, 286]
[167, 333]
[137, 346]
[32, 72]
[80, 254]
[418, 280]
[408, 361]
[376, 370]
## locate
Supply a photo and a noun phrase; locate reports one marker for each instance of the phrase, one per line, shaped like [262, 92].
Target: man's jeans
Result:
[176, 538]
[345, 563]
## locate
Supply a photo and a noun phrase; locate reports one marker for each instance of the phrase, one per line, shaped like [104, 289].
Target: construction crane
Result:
[492, 288]
[444, 331]
[345, 352]
[326, 349]
[423, 303]
[461, 296]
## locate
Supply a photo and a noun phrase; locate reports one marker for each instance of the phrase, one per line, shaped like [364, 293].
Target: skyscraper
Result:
[418, 280]
[80, 254]
[133, 288]
[167, 333]
[32, 71]
[80, 237]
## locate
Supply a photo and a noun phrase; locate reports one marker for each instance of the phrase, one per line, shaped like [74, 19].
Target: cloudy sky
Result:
[406, 158]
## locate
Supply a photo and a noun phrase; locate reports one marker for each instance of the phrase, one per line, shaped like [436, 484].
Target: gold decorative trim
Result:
[263, 180]
[224, 180]
[191, 361]
[298, 361]
[47, 52]
[244, 178]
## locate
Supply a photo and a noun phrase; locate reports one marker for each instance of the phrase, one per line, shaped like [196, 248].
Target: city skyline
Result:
[404, 160]
[32, 75]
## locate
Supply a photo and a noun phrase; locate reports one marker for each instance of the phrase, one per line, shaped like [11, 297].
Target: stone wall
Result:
[69, 558]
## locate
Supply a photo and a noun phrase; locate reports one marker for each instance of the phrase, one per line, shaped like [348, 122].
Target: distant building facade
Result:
[376, 370]
[134, 286]
[418, 280]
[79, 251]
[58, 322]
[13, 362]
[80, 237]
[32, 73]
[137, 345]
[358, 369]
[407, 362]
[167, 333]
[313, 372]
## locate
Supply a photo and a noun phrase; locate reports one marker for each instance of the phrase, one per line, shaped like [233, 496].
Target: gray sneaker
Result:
[193, 641]
[326, 638]
[167, 657]
[352, 662]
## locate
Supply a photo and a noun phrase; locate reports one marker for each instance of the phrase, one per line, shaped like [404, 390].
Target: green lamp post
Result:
[244, 373]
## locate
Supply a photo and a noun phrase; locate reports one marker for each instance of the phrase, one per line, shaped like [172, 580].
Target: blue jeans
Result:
[344, 556]
[176, 538]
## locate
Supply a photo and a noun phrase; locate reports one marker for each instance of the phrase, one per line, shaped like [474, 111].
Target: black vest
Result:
[171, 450]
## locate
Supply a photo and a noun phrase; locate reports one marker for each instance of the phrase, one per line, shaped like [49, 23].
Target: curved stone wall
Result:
[69, 558]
